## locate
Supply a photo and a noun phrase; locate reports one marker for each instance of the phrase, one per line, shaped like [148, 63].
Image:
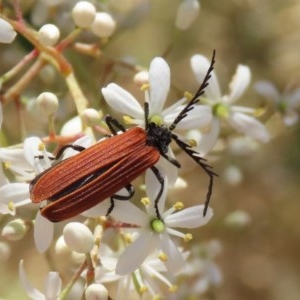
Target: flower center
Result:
[221, 110]
[282, 106]
[157, 119]
[157, 225]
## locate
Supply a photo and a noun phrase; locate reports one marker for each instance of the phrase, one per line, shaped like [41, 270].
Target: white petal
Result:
[249, 126]
[7, 33]
[135, 254]
[294, 98]
[199, 117]
[239, 83]
[126, 212]
[171, 110]
[170, 171]
[15, 156]
[122, 101]
[290, 117]
[31, 292]
[175, 260]
[43, 233]
[72, 127]
[209, 138]
[3, 179]
[98, 210]
[52, 286]
[31, 152]
[267, 90]
[14, 192]
[200, 65]
[159, 80]
[191, 217]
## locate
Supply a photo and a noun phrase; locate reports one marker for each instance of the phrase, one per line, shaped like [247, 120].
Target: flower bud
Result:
[4, 251]
[233, 175]
[7, 33]
[91, 117]
[141, 78]
[49, 34]
[78, 237]
[103, 25]
[96, 291]
[15, 230]
[237, 219]
[83, 14]
[60, 246]
[187, 13]
[47, 103]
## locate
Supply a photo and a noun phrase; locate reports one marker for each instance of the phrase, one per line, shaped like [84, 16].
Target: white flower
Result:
[7, 33]
[159, 81]
[287, 103]
[187, 14]
[53, 285]
[143, 281]
[155, 234]
[221, 107]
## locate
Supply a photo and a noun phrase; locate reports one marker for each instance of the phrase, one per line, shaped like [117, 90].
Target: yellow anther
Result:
[173, 288]
[41, 147]
[143, 289]
[7, 165]
[259, 112]
[192, 143]
[188, 96]
[163, 256]
[128, 238]
[127, 120]
[156, 297]
[178, 205]
[187, 237]
[145, 87]
[11, 206]
[146, 201]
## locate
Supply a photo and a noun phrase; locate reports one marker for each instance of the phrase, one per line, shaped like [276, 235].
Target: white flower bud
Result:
[78, 237]
[15, 230]
[49, 34]
[96, 291]
[91, 117]
[187, 13]
[60, 246]
[84, 14]
[7, 33]
[141, 78]
[233, 175]
[103, 25]
[4, 251]
[237, 219]
[47, 103]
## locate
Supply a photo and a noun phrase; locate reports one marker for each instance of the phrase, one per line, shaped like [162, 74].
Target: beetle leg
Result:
[63, 148]
[162, 184]
[130, 191]
[61, 151]
[111, 123]
[171, 160]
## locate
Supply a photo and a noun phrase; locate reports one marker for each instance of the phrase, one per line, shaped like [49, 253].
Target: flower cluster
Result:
[137, 249]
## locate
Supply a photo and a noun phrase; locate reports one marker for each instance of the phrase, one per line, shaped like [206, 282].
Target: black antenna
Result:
[196, 97]
[203, 164]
